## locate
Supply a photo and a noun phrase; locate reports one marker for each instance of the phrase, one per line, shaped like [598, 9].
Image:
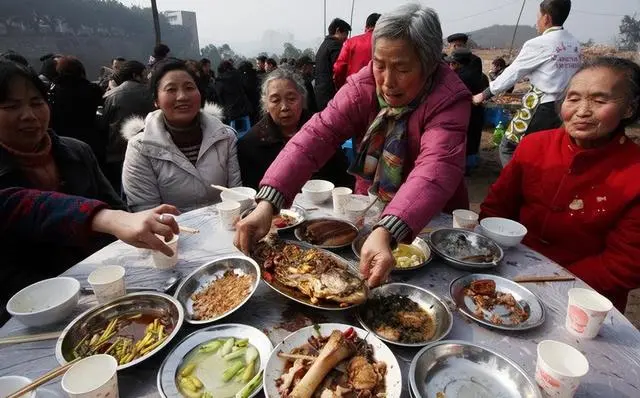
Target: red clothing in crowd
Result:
[581, 207]
[355, 55]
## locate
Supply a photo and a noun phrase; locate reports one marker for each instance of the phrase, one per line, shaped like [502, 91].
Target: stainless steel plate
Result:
[418, 243]
[428, 301]
[201, 277]
[299, 231]
[275, 365]
[295, 212]
[296, 295]
[153, 303]
[465, 370]
[166, 380]
[525, 298]
[454, 245]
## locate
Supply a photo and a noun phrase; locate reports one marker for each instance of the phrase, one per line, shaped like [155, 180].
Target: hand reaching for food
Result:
[376, 258]
[254, 227]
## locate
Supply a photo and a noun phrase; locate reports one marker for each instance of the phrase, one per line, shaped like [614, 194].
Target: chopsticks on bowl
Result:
[55, 373]
[545, 278]
[30, 338]
[189, 230]
[221, 188]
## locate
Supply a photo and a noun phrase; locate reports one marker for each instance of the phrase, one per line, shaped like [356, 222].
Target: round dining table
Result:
[614, 355]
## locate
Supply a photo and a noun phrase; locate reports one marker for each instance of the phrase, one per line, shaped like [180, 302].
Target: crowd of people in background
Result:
[162, 132]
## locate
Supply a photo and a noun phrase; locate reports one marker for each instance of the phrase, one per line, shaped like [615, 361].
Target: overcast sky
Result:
[241, 21]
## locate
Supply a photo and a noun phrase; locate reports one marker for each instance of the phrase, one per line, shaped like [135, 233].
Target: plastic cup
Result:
[11, 384]
[229, 212]
[586, 312]
[341, 196]
[92, 377]
[162, 261]
[465, 219]
[559, 368]
[107, 283]
[354, 210]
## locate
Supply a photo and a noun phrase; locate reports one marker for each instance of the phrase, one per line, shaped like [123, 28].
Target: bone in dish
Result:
[486, 298]
[314, 273]
[341, 364]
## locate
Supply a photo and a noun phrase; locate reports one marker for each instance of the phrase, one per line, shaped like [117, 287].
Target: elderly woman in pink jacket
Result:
[408, 115]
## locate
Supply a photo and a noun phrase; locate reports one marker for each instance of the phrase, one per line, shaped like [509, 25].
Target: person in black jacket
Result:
[130, 98]
[325, 58]
[461, 40]
[251, 84]
[74, 101]
[283, 103]
[231, 94]
[304, 67]
[33, 157]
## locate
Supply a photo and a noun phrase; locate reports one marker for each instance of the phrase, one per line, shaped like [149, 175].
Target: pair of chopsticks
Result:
[55, 373]
[30, 338]
[547, 278]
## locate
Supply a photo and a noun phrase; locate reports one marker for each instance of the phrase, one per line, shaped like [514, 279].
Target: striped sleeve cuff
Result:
[272, 196]
[396, 227]
[487, 93]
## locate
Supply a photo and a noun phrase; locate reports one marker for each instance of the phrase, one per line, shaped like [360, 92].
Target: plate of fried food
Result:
[286, 220]
[311, 276]
[327, 233]
[332, 360]
[497, 302]
[218, 288]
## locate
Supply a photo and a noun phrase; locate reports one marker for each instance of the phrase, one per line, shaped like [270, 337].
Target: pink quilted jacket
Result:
[437, 133]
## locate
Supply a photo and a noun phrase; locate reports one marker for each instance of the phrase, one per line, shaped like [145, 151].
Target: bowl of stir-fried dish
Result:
[131, 328]
[332, 360]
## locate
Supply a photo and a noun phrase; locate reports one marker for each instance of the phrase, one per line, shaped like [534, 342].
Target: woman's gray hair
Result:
[417, 24]
[282, 73]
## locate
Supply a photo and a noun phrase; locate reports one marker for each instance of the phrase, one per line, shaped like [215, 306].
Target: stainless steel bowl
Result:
[428, 301]
[203, 276]
[462, 369]
[441, 243]
[525, 298]
[296, 212]
[152, 303]
[299, 231]
[166, 380]
[418, 243]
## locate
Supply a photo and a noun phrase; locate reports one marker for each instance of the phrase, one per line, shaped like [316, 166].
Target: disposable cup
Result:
[162, 261]
[229, 212]
[559, 368]
[354, 210]
[341, 196]
[107, 283]
[11, 384]
[92, 377]
[586, 312]
[465, 219]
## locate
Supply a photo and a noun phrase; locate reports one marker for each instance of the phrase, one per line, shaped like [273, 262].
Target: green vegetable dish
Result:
[221, 368]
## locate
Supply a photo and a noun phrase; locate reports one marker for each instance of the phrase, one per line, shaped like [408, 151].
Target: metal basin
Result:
[203, 276]
[418, 243]
[453, 368]
[457, 246]
[301, 229]
[148, 303]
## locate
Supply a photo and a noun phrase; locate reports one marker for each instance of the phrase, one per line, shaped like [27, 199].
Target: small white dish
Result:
[317, 191]
[45, 302]
[505, 232]
[244, 196]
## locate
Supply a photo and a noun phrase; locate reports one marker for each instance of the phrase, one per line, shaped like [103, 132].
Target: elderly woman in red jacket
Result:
[576, 188]
[408, 115]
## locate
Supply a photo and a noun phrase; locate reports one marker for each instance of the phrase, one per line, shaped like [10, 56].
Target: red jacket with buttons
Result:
[354, 55]
[581, 207]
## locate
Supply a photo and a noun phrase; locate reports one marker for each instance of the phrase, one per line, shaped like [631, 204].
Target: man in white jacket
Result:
[549, 61]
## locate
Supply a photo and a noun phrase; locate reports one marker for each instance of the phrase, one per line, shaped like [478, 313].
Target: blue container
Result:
[347, 148]
[493, 116]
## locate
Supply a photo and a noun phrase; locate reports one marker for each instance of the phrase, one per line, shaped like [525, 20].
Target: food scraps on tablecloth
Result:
[221, 295]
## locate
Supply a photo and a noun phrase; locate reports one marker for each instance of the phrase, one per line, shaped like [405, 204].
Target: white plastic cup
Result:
[341, 196]
[465, 219]
[162, 261]
[92, 377]
[354, 210]
[559, 368]
[107, 283]
[586, 312]
[229, 212]
[11, 384]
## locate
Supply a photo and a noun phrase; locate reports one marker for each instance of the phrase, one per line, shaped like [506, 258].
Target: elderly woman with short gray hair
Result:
[407, 113]
[283, 99]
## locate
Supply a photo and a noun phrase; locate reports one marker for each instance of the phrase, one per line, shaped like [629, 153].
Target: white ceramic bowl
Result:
[11, 384]
[45, 302]
[244, 201]
[317, 191]
[505, 232]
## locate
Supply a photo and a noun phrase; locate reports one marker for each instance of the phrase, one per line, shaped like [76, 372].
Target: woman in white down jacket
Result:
[179, 150]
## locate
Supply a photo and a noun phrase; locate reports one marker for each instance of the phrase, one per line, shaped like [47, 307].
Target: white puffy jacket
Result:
[155, 171]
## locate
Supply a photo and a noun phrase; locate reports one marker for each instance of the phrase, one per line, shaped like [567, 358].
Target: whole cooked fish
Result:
[312, 272]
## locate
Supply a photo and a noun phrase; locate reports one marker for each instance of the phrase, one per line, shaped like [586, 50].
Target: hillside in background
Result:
[499, 36]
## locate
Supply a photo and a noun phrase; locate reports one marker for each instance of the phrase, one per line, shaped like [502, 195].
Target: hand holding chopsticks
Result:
[57, 372]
